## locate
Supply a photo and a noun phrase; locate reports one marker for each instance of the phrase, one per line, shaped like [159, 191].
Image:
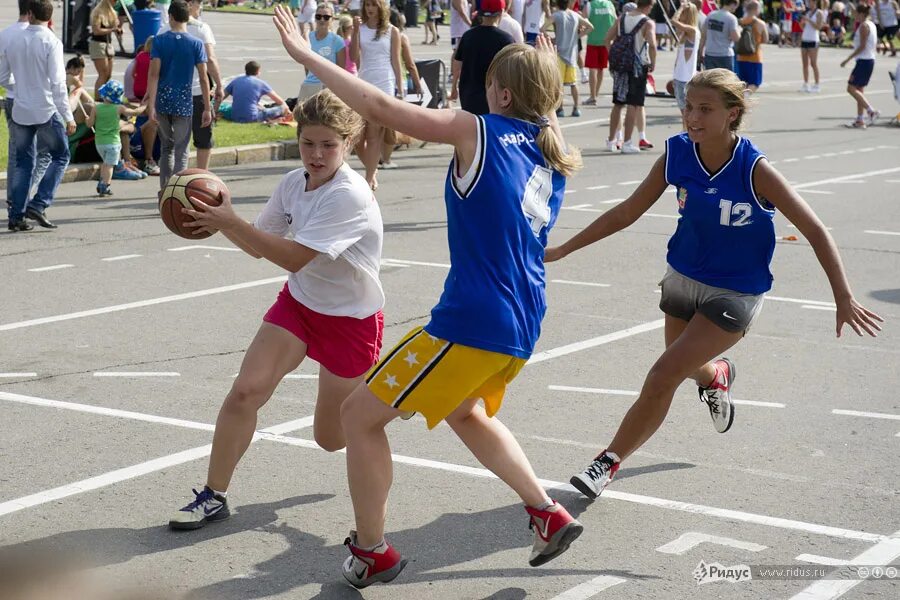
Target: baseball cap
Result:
[492, 8]
[112, 91]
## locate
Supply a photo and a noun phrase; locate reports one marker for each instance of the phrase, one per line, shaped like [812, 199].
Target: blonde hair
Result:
[329, 111]
[384, 17]
[533, 79]
[105, 8]
[688, 14]
[148, 45]
[325, 6]
[729, 88]
[344, 22]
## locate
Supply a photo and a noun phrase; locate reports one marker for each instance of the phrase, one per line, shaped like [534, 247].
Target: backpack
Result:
[621, 53]
[747, 43]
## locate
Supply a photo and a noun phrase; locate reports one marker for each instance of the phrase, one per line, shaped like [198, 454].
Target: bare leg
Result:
[203, 155]
[371, 151]
[595, 76]
[615, 116]
[333, 390]
[574, 89]
[814, 63]
[630, 117]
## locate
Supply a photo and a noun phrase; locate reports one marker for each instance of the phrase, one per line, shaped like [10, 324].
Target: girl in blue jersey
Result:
[503, 193]
[718, 261]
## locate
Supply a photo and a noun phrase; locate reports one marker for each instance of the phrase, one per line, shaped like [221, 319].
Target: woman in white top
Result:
[864, 52]
[812, 22]
[322, 226]
[305, 16]
[376, 49]
[685, 24]
[887, 24]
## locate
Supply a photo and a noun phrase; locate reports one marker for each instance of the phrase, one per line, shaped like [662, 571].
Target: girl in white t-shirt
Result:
[812, 22]
[322, 225]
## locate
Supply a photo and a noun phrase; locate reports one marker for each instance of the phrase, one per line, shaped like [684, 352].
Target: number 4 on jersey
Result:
[536, 200]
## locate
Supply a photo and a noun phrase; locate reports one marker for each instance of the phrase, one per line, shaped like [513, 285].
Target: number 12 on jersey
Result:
[742, 211]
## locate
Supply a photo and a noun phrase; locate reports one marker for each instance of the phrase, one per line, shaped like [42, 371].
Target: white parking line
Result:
[598, 187]
[630, 182]
[819, 307]
[587, 283]
[136, 374]
[16, 375]
[591, 588]
[202, 247]
[860, 413]
[594, 342]
[398, 262]
[876, 232]
[634, 393]
[822, 560]
[855, 178]
[50, 268]
[583, 123]
[122, 257]
[613, 201]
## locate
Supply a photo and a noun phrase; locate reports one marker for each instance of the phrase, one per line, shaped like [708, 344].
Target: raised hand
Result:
[297, 47]
[852, 313]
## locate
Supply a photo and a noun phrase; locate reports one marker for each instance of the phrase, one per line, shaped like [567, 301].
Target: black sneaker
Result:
[19, 225]
[206, 507]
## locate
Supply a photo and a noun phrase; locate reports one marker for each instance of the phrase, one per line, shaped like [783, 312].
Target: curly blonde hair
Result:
[329, 111]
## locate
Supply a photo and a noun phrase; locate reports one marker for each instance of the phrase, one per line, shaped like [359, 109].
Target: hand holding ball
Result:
[178, 204]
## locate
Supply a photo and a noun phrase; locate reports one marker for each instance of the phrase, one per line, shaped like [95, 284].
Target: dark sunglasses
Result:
[323, 17]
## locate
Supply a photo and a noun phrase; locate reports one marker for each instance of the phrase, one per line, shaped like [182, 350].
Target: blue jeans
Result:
[25, 138]
[719, 62]
[41, 163]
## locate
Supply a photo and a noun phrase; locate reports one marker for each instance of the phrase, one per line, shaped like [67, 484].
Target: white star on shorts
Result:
[391, 381]
[411, 358]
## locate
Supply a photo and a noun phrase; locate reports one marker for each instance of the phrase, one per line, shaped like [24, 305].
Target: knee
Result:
[661, 382]
[351, 420]
[329, 441]
[247, 394]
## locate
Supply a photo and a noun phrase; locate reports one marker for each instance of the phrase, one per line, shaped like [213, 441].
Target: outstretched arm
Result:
[770, 185]
[620, 217]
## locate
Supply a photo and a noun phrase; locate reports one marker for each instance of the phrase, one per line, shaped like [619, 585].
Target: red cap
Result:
[491, 8]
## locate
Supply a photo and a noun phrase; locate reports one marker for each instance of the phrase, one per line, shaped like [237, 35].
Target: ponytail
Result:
[565, 160]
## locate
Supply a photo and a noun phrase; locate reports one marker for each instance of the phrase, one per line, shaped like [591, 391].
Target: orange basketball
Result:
[199, 184]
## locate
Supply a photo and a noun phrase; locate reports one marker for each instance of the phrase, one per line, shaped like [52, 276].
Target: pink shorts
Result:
[346, 346]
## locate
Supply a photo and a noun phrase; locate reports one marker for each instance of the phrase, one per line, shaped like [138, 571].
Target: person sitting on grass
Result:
[110, 133]
[247, 91]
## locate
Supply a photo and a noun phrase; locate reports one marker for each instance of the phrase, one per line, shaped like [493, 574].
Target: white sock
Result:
[613, 456]
[217, 493]
[643, 135]
[372, 549]
[546, 505]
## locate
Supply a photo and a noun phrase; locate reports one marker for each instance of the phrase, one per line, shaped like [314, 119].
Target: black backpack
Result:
[747, 43]
[621, 53]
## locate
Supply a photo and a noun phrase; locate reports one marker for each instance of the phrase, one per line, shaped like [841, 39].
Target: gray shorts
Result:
[683, 297]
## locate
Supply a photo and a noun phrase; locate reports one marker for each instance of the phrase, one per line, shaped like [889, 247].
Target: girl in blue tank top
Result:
[503, 192]
[718, 261]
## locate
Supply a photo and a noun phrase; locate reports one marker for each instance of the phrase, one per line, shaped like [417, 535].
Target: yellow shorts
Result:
[432, 376]
[567, 72]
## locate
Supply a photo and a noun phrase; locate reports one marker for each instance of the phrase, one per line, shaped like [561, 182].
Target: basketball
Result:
[670, 88]
[197, 184]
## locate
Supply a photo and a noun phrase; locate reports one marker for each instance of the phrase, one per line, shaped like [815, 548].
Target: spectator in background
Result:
[602, 15]
[749, 66]
[345, 30]
[32, 61]
[718, 36]
[510, 25]
[306, 16]
[534, 15]
[163, 7]
[813, 21]
[864, 41]
[433, 16]
[80, 101]
[460, 22]
[104, 23]
[111, 134]
[410, 84]
[474, 54]
[247, 91]
[325, 43]
[685, 24]
[174, 57]
[568, 27]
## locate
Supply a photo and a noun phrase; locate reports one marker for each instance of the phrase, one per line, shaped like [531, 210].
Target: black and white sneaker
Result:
[597, 476]
[718, 395]
[206, 507]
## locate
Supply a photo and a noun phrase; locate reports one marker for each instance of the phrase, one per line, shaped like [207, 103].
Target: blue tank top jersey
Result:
[725, 235]
[498, 216]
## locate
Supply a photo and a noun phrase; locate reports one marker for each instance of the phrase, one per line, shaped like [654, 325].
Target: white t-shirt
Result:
[202, 32]
[516, 10]
[512, 27]
[534, 16]
[810, 31]
[342, 221]
[867, 53]
[457, 26]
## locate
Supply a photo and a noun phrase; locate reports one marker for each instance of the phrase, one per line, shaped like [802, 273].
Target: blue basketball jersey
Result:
[725, 235]
[498, 216]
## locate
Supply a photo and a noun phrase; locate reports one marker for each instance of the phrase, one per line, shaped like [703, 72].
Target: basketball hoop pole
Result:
[668, 22]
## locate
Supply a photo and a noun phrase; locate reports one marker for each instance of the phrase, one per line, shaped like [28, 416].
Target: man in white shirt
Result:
[510, 25]
[34, 60]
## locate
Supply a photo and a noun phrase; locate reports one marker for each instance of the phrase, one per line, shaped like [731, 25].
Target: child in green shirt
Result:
[108, 132]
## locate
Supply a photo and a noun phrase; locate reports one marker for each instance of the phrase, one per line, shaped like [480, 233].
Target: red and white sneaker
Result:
[645, 145]
[594, 479]
[718, 395]
[554, 530]
[365, 567]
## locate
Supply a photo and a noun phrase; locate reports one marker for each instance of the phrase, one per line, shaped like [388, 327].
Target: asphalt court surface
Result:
[118, 342]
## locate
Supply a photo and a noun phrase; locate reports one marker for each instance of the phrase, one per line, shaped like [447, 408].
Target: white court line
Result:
[811, 97]
[630, 182]
[823, 192]
[398, 262]
[577, 206]
[633, 393]
[50, 268]
[291, 376]
[784, 299]
[122, 257]
[822, 560]
[15, 375]
[860, 413]
[594, 342]
[876, 232]
[846, 178]
[582, 123]
[202, 247]
[818, 307]
[613, 201]
[570, 192]
[591, 588]
[883, 553]
[136, 374]
[811, 157]
[140, 303]
[598, 187]
[582, 208]
[588, 283]
[788, 160]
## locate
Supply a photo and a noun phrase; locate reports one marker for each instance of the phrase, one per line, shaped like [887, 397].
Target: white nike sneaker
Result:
[596, 477]
[814, 88]
[718, 396]
[365, 567]
[611, 146]
[630, 148]
[206, 508]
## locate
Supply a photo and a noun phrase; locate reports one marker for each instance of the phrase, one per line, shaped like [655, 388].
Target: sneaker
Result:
[388, 165]
[560, 113]
[718, 395]
[872, 116]
[103, 189]
[590, 102]
[856, 124]
[630, 148]
[611, 146]
[645, 145]
[576, 112]
[814, 88]
[804, 89]
[554, 531]
[596, 477]
[584, 77]
[365, 567]
[151, 168]
[122, 172]
[206, 507]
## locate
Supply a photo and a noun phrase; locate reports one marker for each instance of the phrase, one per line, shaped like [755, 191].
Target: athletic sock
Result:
[643, 135]
[372, 548]
[223, 494]
[613, 456]
[546, 505]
